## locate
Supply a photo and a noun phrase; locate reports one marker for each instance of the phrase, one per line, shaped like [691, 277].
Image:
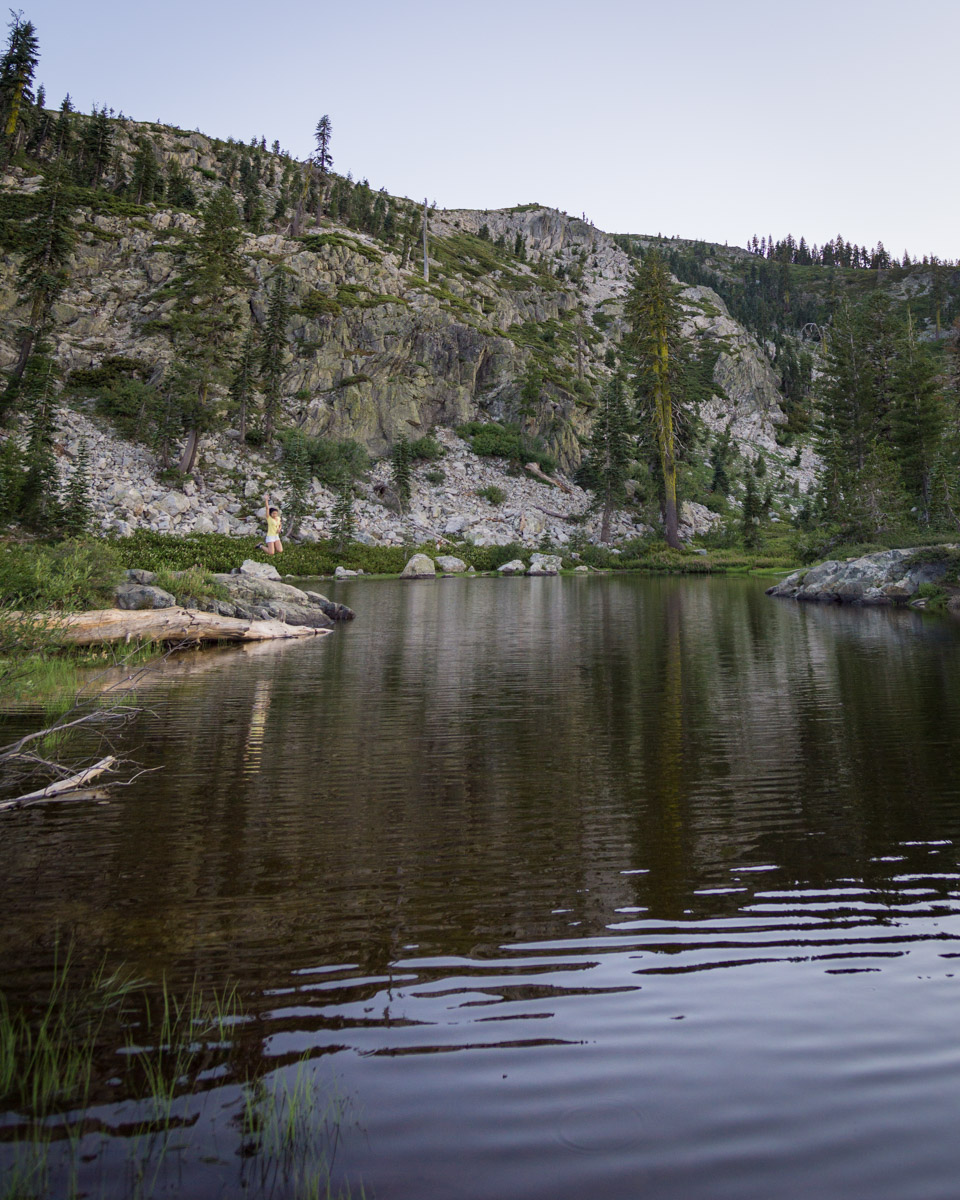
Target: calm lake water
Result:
[576, 888]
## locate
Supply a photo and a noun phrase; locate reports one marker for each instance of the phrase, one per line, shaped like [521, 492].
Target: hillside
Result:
[519, 322]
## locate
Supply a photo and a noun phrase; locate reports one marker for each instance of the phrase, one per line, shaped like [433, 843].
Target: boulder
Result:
[545, 564]
[514, 567]
[133, 595]
[421, 566]
[343, 573]
[335, 611]
[261, 570]
[884, 578]
[450, 564]
[257, 597]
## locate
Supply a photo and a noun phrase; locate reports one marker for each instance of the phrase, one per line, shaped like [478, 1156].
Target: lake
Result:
[568, 888]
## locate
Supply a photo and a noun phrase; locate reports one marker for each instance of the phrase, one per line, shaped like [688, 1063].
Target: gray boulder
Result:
[545, 564]
[882, 578]
[132, 595]
[253, 597]
[260, 570]
[421, 566]
[450, 564]
[514, 567]
[335, 611]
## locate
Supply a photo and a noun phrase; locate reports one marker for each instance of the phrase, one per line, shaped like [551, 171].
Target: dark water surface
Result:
[580, 888]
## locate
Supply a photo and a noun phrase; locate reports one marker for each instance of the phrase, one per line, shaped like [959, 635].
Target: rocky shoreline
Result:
[886, 578]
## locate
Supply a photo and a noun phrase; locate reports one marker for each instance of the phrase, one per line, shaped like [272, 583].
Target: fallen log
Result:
[56, 791]
[174, 624]
[534, 469]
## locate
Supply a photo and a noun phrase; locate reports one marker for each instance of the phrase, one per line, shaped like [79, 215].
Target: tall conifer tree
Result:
[17, 67]
[610, 451]
[656, 345]
[273, 352]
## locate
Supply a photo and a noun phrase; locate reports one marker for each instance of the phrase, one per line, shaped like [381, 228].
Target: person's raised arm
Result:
[266, 505]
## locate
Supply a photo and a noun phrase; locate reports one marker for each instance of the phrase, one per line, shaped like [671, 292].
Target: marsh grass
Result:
[103, 1037]
[290, 1132]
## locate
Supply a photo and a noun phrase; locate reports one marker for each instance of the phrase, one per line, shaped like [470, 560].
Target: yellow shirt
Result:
[273, 526]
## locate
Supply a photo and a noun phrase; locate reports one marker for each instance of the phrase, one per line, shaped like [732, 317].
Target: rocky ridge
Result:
[375, 350]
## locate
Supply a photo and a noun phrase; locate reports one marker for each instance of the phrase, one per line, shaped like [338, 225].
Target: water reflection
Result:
[503, 844]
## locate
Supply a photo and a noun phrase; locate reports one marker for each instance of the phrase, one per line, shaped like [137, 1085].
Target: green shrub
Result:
[333, 461]
[495, 495]
[318, 304]
[426, 449]
[495, 440]
[435, 476]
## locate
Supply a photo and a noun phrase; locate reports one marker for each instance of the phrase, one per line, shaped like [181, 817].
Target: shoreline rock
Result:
[255, 592]
[886, 578]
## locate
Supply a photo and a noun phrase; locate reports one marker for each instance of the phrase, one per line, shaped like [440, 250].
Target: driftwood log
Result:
[63, 787]
[534, 469]
[170, 625]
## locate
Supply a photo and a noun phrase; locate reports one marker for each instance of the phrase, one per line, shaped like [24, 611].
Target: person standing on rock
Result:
[273, 544]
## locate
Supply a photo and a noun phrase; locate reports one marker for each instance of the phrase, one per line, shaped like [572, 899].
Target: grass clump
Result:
[72, 575]
[190, 585]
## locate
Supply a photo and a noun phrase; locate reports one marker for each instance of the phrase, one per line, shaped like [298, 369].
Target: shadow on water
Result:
[487, 850]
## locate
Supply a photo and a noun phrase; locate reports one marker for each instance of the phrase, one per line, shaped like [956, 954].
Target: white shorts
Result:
[272, 537]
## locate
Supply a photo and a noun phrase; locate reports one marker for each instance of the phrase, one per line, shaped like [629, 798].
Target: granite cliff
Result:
[375, 350]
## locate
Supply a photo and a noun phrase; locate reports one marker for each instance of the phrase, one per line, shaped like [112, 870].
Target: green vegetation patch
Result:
[320, 241]
[495, 440]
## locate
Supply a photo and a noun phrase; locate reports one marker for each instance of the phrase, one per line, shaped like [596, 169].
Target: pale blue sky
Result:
[707, 119]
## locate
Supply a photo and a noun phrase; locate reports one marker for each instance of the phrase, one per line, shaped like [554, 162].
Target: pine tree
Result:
[76, 504]
[97, 146]
[657, 348]
[296, 477]
[343, 523]
[917, 419]
[11, 478]
[843, 426]
[146, 173]
[273, 352]
[43, 269]
[610, 451]
[750, 517]
[17, 67]
[722, 449]
[205, 319]
[322, 159]
[401, 463]
[39, 506]
[242, 384]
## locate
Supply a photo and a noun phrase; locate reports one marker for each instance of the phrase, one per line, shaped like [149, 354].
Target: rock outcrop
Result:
[254, 592]
[890, 577]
